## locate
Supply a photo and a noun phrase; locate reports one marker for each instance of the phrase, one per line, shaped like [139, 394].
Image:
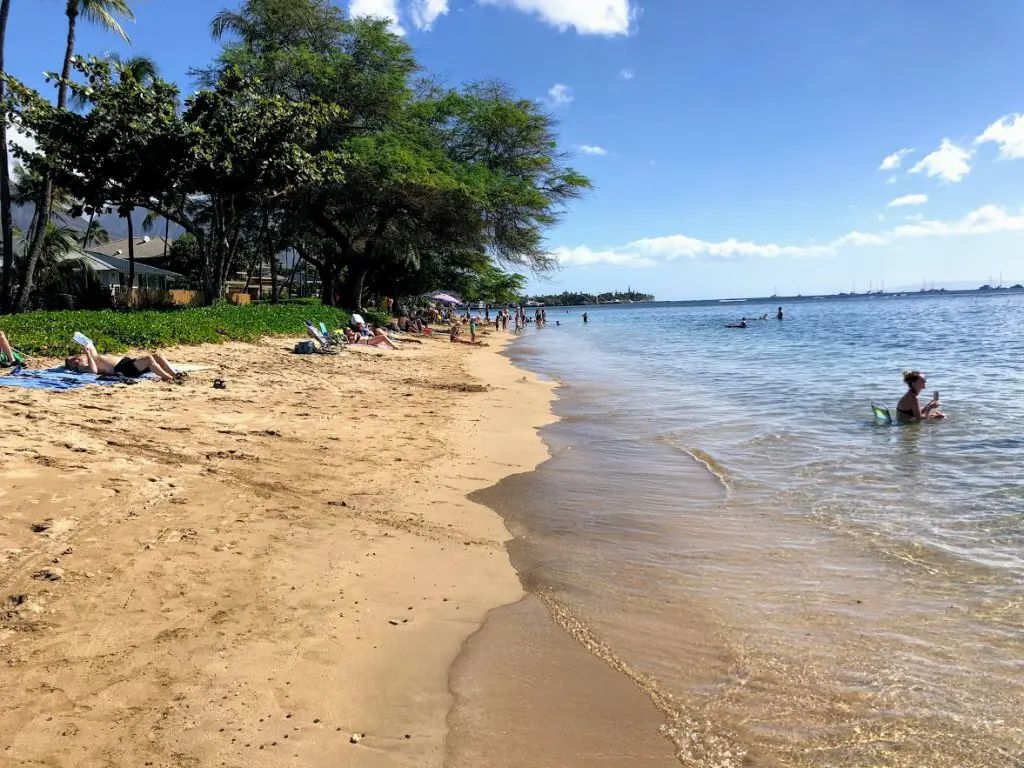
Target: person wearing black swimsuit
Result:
[908, 408]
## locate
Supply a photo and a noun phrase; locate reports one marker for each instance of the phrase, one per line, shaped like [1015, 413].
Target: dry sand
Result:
[256, 575]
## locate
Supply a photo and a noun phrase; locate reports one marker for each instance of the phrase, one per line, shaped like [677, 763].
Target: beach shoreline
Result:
[282, 570]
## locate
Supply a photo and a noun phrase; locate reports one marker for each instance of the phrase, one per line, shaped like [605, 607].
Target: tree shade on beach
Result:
[312, 133]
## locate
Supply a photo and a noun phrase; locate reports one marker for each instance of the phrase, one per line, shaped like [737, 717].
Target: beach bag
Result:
[305, 348]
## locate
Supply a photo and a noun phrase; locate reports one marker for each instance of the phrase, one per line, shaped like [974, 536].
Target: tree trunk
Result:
[273, 279]
[328, 284]
[252, 269]
[356, 284]
[88, 230]
[131, 260]
[45, 205]
[6, 219]
[167, 234]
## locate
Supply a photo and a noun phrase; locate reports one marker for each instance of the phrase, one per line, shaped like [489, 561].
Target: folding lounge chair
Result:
[333, 338]
[881, 414]
[326, 345]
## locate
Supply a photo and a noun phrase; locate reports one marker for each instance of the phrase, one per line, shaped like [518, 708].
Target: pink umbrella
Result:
[444, 298]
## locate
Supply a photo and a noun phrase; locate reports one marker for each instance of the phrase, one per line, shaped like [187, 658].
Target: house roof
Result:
[103, 263]
[145, 248]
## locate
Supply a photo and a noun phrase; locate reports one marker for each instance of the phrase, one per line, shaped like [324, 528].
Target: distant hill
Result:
[114, 224]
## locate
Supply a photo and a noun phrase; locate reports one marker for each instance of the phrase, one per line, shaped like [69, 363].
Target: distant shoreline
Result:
[919, 294]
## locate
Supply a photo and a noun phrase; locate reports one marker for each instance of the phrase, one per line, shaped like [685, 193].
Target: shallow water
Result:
[790, 582]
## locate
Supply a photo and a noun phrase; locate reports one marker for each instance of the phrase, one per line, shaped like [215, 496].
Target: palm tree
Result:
[58, 269]
[28, 186]
[143, 71]
[103, 13]
[6, 219]
[149, 223]
[94, 233]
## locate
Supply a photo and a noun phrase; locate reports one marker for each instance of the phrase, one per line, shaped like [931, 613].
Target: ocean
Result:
[790, 583]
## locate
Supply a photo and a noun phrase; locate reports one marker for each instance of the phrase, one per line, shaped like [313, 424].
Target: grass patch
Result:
[48, 334]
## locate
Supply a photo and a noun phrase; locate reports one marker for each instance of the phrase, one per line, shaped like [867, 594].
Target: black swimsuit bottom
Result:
[127, 368]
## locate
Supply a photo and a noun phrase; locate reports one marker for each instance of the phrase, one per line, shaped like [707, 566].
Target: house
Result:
[113, 272]
[150, 250]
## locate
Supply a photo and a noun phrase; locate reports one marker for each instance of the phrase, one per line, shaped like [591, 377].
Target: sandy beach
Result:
[280, 572]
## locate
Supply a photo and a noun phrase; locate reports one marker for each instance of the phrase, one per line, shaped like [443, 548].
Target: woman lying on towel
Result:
[132, 367]
[379, 340]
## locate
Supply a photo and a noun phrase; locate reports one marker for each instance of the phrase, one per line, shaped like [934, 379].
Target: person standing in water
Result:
[584, 317]
[909, 408]
[778, 315]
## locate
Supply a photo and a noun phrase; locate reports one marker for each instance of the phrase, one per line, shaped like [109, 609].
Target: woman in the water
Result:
[908, 408]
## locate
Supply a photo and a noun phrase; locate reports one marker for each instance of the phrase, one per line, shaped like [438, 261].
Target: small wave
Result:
[712, 466]
[696, 740]
[705, 459]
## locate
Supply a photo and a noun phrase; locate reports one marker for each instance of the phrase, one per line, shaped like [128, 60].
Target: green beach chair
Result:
[19, 359]
[881, 414]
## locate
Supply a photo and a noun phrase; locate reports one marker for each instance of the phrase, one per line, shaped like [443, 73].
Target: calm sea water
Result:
[792, 583]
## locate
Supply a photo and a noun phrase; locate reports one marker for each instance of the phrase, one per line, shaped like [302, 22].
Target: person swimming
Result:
[909, 408]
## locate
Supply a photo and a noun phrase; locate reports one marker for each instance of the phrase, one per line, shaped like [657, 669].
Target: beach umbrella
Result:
[444, 298]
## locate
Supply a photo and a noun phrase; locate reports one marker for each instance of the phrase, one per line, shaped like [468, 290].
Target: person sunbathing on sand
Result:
[380, 340]
[132, 367]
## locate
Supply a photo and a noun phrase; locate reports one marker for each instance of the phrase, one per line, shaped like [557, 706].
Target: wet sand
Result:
[277, 573]
[527, 694]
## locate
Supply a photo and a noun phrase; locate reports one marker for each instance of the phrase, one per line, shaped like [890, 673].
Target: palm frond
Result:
[227, 22]
[148, 223]
[141, 69]
[104, 13]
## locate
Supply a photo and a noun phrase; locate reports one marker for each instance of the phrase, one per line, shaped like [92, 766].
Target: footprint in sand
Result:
[53, 527]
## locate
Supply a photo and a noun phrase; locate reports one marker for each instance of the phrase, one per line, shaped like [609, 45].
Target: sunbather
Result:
[132, 367]
[380, 340]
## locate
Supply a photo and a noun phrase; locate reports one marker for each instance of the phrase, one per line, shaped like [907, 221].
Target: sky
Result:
[737, 147]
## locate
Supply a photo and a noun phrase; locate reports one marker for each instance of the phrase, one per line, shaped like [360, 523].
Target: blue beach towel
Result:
[58, 379]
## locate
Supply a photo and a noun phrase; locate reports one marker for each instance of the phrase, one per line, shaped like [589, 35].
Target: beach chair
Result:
[333, 338]
[325, 345]
[881, 414]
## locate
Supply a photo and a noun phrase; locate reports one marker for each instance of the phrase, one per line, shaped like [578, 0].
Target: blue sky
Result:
[737, 146]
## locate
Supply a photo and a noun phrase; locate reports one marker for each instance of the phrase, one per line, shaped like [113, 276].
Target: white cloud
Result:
[893, 161]
[949, 162]
[16, 136]
[627, 74]
[561, 94]
[582, 256]
[891, 180]
[1008, 133]
[983, 221]
[900, 202]
[858, 238]
[648, 252]
[426, 12]
[587, 17]
[586, 149]
[677, 246]
[381, 9]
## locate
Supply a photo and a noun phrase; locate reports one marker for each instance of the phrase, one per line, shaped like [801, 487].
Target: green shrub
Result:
[49, 333]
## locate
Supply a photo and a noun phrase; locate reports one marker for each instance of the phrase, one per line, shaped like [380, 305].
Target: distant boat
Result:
[731, 301]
